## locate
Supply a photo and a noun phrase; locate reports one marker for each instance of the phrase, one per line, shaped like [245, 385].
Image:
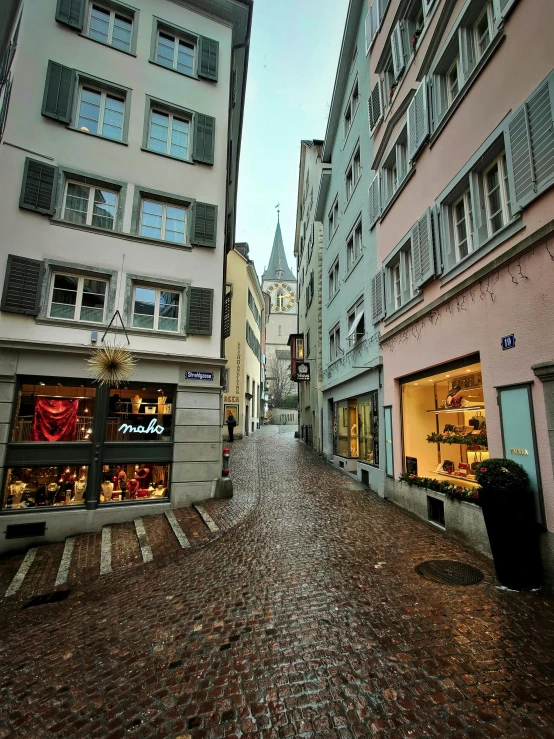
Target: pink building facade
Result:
[461, 112]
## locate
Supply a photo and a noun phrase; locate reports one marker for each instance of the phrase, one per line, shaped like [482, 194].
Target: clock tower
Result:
[279, 282]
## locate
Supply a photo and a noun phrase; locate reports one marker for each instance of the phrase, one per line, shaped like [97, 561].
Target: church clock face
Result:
[282, 297]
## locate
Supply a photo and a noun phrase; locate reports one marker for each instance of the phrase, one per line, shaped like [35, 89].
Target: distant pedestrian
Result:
[231, 423]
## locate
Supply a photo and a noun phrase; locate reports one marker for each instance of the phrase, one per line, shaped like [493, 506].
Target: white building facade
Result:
[118, 168]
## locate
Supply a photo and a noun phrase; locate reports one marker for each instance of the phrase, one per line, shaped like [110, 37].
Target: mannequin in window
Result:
[80, 487]
[160, 490]
[132, 487]
[107, 489]
[52, 491]
[16, 489]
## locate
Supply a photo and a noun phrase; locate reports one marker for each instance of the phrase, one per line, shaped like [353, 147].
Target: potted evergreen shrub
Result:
[509, 512]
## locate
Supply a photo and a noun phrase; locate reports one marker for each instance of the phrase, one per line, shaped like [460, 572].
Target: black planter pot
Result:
[513, 536]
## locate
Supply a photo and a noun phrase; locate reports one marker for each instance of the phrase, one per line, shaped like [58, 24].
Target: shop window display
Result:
[139, 413]
[368, 428]
[30, 487]
[52, 410]
[347, 428]
[444, 424]
[131, 482]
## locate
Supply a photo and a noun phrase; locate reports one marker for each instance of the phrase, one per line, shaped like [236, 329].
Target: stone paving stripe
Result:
[106, 551]
[65, 564]
[208, 520]
[144, 544]
[177, 530]
[24, 568]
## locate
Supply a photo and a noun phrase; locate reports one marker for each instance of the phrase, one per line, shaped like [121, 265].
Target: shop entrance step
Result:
[85, 557]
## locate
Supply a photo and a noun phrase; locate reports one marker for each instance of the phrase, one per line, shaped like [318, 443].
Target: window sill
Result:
[157, 334]
[404, 308]
[353, 191]
[109, 46]
[176, 71]
[98, 136]
[331, 299]
[358, 260]
[402, 185]
[121, 235]
[332, 237]
[509, 230]
[68, 323]
[167, 156]
[493, 46]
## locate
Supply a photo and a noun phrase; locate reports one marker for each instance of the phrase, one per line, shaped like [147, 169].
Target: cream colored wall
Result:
[29, 234]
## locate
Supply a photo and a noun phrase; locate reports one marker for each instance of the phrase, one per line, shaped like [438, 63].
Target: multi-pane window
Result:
[156, 309]
[333, 218]
[396, 284]
[90, 206]
[351, 107]
[354, 246]
[389, 85]
[175, 53]
[399, 278]
[395, 167]
[110, 27]
[169, 134]
[453, 81]
[163, 221]
[353, 173]
[334, 279]
[482, 31]
[462, 222]
[497, 199]
[77, 298]
[101, 113]
[334, 343]
[356, 323]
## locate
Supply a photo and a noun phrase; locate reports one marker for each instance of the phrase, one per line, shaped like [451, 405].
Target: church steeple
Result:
[278, 268]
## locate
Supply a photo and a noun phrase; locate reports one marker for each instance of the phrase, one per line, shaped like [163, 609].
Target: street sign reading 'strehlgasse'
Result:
[302, 372]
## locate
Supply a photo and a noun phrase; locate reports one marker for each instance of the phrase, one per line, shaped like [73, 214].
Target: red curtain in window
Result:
[55, 420]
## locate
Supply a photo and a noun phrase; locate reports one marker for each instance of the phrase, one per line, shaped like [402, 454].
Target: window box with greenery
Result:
[184, 52]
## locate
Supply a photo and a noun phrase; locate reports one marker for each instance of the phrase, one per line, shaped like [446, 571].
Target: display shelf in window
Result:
[463, 409]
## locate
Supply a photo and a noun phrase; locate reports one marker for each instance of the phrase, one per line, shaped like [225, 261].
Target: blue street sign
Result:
[199, 375]
[508, 342]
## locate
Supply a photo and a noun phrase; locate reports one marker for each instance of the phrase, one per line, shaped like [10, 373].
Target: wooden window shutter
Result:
[208, 58]
[377, 297]
[204, 225]
[418, 121]
[227, 315]
[22, 286]
[204, 138]
[71, 13]
[531, 144]
[38, 191]
[58, 92]
[422, 250]
[374, 201]
[199, 314]
[375, 106]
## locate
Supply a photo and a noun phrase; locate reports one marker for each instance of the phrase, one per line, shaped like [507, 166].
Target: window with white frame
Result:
[453, 80]
[397, 288]
[355, 322]
[351, 107]
[176, 53]
[399, 278]
[76, 298]
[333, 218]
[395, 167]
[101, 112]
[163, 221]
[156, 309]
[497, 197]
[388, 82]
[110, 27]
[462, 223]
[335, 350]
[169, 134]
[353, 173]
[354, 246]
[334, 279]
[89, 206]
[482, 31]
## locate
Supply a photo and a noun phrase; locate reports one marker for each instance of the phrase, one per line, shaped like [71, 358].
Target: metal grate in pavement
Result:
[449, 572]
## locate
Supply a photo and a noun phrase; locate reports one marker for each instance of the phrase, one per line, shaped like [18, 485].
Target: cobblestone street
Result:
[305, 619]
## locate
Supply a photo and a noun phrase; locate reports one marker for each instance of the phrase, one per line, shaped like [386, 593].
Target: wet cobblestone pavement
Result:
[307, 619]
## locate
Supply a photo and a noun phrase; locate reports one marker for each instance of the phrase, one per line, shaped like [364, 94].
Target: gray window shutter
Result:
[374, 201]
[204, 138]
[377, 296]
[398, 50]
[38, 191]
[204, 225]
[422, 250]
[375, 106]
[71, 13]
[200, 308]
[58, 92]
[22, 286]
[208, 58]
[418, 121]
[531, 144]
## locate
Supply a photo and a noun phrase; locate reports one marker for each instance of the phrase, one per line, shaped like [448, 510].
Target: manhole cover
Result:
[449, 572]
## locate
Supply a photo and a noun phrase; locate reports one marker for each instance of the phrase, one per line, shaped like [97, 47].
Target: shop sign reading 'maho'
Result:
[152, 428]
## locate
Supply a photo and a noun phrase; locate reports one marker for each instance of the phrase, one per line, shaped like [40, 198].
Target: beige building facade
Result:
[118, 168]
[242, 393]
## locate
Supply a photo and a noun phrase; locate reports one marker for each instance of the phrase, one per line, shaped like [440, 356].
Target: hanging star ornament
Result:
[112, 365]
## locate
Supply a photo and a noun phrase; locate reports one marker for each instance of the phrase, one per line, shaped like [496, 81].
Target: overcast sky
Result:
[294, 50]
